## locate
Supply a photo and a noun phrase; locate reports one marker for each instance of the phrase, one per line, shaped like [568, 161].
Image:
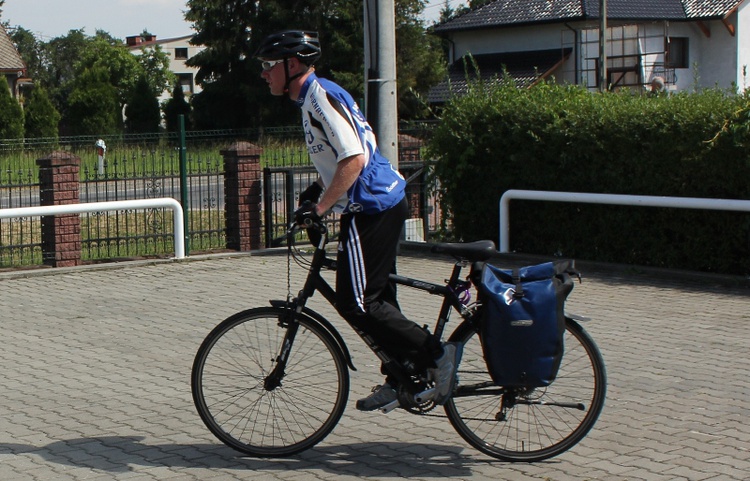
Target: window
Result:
[181, 53]
[678, 55]
[186, 81]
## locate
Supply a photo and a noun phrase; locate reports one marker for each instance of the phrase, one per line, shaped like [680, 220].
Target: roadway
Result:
[97, 359]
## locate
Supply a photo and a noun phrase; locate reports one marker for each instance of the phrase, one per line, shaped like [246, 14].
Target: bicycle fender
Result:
[326, 324]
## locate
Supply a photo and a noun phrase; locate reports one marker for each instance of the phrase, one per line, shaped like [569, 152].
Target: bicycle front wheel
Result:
[536, 423]
[293, 411]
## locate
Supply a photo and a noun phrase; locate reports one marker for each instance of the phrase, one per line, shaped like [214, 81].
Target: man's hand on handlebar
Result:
[311, 194]
[305, 215]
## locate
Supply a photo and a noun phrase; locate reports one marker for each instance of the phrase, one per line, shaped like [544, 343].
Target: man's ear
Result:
[297, 66]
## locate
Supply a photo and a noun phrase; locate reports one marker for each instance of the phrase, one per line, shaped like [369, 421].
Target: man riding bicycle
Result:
[359, 183]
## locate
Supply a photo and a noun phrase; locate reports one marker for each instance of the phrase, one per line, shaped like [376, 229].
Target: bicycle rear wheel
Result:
[535, 424]
[260, 418]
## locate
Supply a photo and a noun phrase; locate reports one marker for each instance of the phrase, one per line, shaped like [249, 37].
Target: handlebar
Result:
[318, 243]
[317, 232]
[319, 226]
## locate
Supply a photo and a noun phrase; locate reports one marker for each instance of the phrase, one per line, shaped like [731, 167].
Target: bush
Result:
[93, 105]
[142, 110]
[11, 113]
[174, 107]
[41, 116]
[563, 138]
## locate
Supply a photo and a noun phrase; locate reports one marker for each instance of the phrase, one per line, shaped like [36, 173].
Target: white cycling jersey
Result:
[336, 129]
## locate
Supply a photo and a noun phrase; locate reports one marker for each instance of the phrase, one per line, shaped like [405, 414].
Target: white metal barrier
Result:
[632, 200]
[179, 225]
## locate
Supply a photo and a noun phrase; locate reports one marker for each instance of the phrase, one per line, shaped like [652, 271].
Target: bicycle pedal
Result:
[424, 396]
[389, 407]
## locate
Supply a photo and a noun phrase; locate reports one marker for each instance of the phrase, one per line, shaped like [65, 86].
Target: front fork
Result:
[287, 319]
[291, 308]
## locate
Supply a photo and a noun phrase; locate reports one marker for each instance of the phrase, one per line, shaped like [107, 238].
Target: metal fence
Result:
[20, 238]
[145, 174]
[283, 185]
[136, 167]
[148, 166]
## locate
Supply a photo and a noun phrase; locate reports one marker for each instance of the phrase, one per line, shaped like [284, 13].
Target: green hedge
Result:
[564, 138]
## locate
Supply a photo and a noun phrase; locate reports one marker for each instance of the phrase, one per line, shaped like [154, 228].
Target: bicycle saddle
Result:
[471, 251]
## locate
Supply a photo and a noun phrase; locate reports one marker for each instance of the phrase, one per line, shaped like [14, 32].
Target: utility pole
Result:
[603, 46]
[381, 105]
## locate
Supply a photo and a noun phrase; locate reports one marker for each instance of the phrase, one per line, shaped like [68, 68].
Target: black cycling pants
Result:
[365, 297]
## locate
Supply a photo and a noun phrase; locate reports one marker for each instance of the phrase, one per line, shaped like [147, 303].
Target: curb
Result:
[605, 269]
[593, 268]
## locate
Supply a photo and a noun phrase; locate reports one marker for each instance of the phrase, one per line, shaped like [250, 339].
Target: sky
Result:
[48, 19]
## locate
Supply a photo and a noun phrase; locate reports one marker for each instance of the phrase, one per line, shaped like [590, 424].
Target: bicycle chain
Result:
[422, 409]
[427, 413]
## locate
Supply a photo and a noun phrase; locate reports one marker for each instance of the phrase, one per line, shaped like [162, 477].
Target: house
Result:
[688, 43]
[179, 51]
[12, 65]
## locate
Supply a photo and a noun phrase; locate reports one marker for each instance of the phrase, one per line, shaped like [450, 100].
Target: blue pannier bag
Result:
[523, 321]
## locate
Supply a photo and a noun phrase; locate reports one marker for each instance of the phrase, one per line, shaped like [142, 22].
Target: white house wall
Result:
[719, 58]
[743, 46]
[713, 56]
[176, 65]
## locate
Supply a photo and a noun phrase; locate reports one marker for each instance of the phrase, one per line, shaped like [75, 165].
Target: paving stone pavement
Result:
[96, 379]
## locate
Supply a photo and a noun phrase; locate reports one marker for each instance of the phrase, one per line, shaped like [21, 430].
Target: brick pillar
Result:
[59, 185]
[409, 162]
[242, 193]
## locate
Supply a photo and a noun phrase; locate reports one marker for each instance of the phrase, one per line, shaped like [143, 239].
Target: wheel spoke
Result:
[230, 392]
[535, 425]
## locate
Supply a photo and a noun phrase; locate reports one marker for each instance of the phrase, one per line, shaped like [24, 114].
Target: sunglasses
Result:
[269, 64]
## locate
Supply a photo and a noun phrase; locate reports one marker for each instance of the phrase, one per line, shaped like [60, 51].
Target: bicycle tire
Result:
[529, 432]
[227, 384]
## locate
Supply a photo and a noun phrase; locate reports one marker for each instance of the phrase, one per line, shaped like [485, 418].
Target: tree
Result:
[122, 67]
[32, 52]
[93, 104]
[11, 113]
[235, 95]
[61, 55]
[56, 64]
[155, 64]
[448, 13]
[41, 117]
[225, 68]
[142, 112]
[420, 60]
[175, 107]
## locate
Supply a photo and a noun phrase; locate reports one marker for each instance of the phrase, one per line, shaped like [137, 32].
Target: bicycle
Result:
[274, 381]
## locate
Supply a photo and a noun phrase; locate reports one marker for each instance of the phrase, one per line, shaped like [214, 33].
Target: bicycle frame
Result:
[450, 293]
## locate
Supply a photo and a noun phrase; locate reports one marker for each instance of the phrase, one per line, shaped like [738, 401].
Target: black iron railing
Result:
[282, 186]
[147, 174]
[147, 166]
